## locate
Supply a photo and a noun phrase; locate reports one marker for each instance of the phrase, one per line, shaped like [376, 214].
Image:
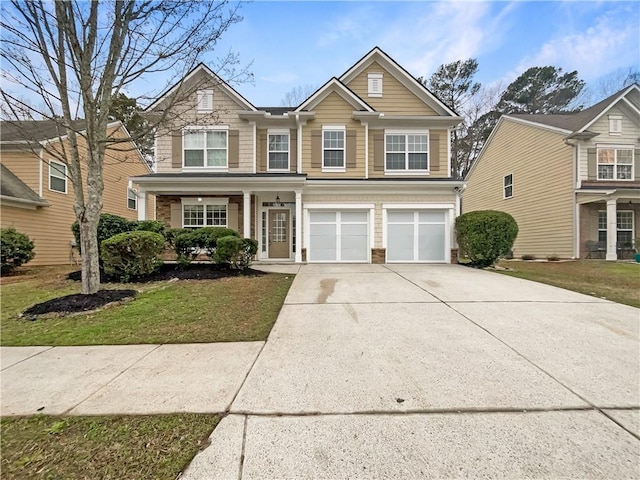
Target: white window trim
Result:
[615, 120]
[371, 92]
[205, 201]
[56, 176]
[615, 148]
[504, 187]
[406, 132]
[336, 128]
[135, 198]
[633, 223]
[201, 95]
[205, 168]
[280, 132]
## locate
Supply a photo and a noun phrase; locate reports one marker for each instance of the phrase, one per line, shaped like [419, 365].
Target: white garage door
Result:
[416, 236]
[338, 236]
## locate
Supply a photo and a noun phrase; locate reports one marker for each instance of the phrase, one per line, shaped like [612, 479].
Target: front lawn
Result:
[241, 308]
[616, 281]
[113, 447]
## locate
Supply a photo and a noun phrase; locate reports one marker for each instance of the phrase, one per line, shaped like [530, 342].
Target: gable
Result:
[333, 109]
[396, 98]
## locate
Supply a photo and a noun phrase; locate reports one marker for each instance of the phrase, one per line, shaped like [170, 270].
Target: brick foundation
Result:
[304, 254]
[378, 255]
[454, 255]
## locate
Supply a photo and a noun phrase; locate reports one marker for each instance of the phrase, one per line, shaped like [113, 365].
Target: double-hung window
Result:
[624, 227]
[132, 199]
[406, 151]
[57, 177]
[206, 148]
[507, 184]
[204, 213]
[278, 142]
[333, 151]
[615, 163]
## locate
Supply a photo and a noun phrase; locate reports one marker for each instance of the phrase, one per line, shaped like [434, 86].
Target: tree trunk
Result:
[90, 254]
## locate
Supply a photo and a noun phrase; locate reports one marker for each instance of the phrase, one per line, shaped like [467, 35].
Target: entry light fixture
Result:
[278, 203]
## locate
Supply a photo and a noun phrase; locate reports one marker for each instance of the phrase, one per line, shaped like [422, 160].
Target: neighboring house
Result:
[36, 196]
[572, 182]
[359, 172]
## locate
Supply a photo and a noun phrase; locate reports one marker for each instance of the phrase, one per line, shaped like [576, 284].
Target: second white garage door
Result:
[338, 236]
[416, 236]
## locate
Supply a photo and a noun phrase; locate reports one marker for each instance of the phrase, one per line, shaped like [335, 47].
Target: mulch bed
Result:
[78, 303]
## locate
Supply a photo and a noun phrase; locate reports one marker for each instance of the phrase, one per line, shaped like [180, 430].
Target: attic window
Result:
[615, 125]
[205, 101]
[375, 84]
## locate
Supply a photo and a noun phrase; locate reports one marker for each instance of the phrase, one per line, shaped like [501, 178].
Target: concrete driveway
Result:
[432, 371]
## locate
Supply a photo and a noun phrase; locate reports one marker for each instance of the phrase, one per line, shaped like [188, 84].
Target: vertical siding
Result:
[543, 198]
[333, 110]
[396, 98]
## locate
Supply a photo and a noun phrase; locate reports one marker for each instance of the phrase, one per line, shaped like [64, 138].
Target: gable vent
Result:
[205, 101]
[375, 84]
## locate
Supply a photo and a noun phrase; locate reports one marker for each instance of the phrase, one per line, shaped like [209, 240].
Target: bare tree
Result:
[609, 84]
[75, 57]
[297, 95]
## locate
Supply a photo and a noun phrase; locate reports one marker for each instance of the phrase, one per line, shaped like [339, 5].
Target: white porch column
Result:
[142, 204]
[612, 229]
[298, 257]
[246, 214]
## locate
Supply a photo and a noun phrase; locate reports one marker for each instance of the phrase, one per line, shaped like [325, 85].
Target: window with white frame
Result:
[615, 163]
[132, 199]
[508, 186]
[375, 84]
[57, 177]
[278, 145]
[205, 213]
[205, 148]
[624, 227]
[333, 140]
[615, 124]
[205, 101]
[406, 151]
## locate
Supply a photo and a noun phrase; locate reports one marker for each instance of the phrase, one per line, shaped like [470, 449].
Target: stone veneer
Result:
[378, 255]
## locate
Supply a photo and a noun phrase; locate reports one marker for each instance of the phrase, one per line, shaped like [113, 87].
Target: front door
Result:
[278, 233]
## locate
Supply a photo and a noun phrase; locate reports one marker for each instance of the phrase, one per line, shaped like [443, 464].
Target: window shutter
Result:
[592, 164]
[378, 152]
[636, 164]
[232, 217]
[234, 149]
[434, 153]
[352, 136]
[176, 215]
[176, 149]
[263, 152]
[293, 151]
[316, 148]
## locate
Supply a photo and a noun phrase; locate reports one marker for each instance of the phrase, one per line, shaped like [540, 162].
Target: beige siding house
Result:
[36, 197]
[572, 182]
[359, 172]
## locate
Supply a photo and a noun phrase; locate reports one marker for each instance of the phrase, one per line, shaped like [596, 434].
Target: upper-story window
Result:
[333, 151]
[374, 84]
[278, 142]
[57, 177]
[507, 185]
[615, 125]
[615, 163]
[205, 101]
[408, 151]
[205, 148]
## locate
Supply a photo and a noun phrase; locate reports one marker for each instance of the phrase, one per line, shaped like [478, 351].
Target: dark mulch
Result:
[194, 271]
[78, 302]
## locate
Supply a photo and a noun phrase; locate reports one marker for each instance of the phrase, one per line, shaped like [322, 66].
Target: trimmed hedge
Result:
[155, 226]
[132, 255]
[485, 235]
[108, 226]
[189, 244]
[16, 249]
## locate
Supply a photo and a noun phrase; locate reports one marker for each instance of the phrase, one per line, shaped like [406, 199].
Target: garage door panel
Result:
[400, 243]
[416, 235]
[354, 243]
[437, 217]
[431, 243]
[406, 217]
[341, 236]
[353, 217]
[322, 217]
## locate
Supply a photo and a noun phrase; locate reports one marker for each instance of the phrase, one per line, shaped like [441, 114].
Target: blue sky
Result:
[291, 43]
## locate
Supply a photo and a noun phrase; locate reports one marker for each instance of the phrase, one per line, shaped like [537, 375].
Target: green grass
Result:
[616, 281]
[115, 447]
[187, 311]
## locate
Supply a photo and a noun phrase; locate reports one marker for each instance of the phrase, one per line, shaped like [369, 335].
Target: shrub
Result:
[16, 249]
[485, 235]
[108, 226]
[171, 234]
[553, 257]
[184, 244]
[228, 250]
[132, 255]
[247, 252]
[528, 256]
[155, 226]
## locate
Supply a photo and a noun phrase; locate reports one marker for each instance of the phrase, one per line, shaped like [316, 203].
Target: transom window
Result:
[407, 151]
[205, 148]
[204, 215]
[624, 227]
[615, 163]
[333, 147]
[132, 199]
[57, 177]
[508, 185]
[278, 151]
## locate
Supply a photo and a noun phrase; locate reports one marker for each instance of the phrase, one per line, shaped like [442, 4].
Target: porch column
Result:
[142, 204]
[298, 256]
[246, 214]
[612, 230]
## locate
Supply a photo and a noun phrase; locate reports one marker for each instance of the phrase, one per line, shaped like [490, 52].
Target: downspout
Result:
[255, 149]
[40, 172]
[299, 152]
[576, 206]
[366, 150]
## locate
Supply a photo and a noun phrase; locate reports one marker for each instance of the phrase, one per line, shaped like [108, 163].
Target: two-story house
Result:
[572, 182]
[36, 194]
[359, 172]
